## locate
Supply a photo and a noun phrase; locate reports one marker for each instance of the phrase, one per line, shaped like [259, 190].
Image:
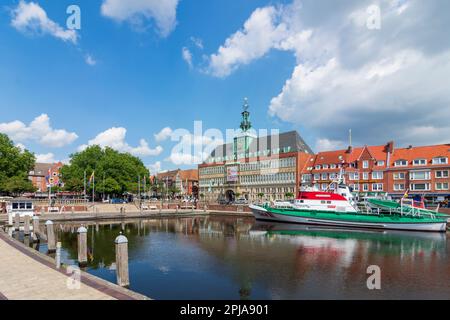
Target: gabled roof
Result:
[423, 152]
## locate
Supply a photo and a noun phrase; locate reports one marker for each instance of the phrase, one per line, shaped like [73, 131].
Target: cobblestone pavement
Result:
[23, 277]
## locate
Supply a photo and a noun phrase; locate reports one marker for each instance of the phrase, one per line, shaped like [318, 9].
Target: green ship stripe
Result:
[355, 217]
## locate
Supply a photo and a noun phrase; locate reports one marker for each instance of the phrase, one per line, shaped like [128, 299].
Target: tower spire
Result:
[245, 123]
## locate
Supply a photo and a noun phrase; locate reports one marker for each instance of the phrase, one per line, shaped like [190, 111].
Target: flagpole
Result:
[93, 188]
[84, 184]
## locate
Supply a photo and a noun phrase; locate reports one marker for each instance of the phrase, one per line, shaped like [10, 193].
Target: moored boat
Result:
[333, 209]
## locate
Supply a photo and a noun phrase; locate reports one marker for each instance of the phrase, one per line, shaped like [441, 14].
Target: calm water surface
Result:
[236, 258]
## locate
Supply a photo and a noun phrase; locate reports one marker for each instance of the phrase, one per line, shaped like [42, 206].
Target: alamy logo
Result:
[373, 21]
[73, 22]
[374, 280]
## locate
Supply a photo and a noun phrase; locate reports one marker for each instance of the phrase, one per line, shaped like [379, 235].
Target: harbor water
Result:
[238, 258]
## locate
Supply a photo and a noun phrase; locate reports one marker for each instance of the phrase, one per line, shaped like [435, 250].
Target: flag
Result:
[48, 176]
[91, 178]
[406, 194]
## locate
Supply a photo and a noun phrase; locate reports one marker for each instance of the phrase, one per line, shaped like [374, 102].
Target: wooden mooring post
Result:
[10, 219]
[82, 246]
[121, 244]
[58, 255]
[17, 221]
[26, 226]
[51, 240]
[35, 229]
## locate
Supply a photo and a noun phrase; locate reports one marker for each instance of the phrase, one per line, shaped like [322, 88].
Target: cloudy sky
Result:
[137, 74]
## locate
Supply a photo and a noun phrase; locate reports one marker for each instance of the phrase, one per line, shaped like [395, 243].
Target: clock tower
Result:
[243, 140]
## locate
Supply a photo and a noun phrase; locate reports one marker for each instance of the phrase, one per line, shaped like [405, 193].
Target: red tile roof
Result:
[424, 152]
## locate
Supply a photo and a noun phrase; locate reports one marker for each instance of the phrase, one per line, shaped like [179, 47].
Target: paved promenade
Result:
[28, 275]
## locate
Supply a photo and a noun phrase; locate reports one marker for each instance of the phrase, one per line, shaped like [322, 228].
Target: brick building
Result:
[251, 166]
[45, 174]
[185, 180]
[374, 170]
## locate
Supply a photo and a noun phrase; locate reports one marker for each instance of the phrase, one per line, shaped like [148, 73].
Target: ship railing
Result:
[407, 209]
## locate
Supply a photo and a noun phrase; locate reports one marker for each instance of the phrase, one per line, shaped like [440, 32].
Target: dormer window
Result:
[440, 160]
[380, 163]
[318, 167]
[401, 163]
[420, 162]
[325, 166]
[333, 166]
[365, 164]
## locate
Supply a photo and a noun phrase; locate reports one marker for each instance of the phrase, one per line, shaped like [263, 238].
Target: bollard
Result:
[17, 221]
[58, 255]
[51, 241]
[35, 228]
[82, 246]
[10, 219]
[121, 244]
[26, 228]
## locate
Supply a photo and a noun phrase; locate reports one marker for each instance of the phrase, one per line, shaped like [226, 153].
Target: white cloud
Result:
[193, 149]
[197, 42]
[38, 130]
[260, 33]
[325, 144]
[90, 60]
[31, 18]
[46, 158]
[115, 138]
[385, 84]
[187, 56]
[164, 134]
[21, 146]
[155, 167]
[137, 12]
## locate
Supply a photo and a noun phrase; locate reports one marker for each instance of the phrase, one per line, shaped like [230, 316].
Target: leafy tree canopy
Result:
[119, 170]
[15, 165]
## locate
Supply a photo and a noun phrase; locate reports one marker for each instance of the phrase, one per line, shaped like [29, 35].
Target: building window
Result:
[355, 187]
[318, 167]
[377, 187]
[333, 176]
[377, 175]
[442, 186]
[325, 166]
[440, 160]
[380, 163]
[399, 186]
[324, 186]
[332, 166]
[316, 176]
[441, 174]
[420, 186]
[399, 176]
[365, 187]
[324, 176]
[419, 175]
[420, 162]
[400, 163]
[365, 164]
[353, 176]
[306, 178]
[365, 176]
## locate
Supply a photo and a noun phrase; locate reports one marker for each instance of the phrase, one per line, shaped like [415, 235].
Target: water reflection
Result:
[236, 258]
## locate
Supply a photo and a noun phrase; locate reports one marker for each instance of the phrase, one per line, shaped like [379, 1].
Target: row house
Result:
[363, 168]
[374, 170]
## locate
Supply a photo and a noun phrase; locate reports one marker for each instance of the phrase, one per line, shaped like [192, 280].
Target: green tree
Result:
[120, 171]
[289, 195]
[15, 165]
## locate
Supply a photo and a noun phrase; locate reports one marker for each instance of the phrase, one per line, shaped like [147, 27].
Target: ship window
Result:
[323, 202]
[328, 202]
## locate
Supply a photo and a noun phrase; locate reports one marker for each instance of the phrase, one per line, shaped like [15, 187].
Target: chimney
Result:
[349, 149]
[390, 147]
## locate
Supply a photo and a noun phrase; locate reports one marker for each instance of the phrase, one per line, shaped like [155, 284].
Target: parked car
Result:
[118, 201]
[241, 201]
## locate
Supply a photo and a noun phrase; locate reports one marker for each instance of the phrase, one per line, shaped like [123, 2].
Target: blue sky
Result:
[303, 65]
